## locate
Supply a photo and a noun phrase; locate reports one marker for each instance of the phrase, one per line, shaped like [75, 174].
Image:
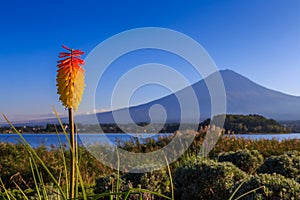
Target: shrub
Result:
[246, 160]
[155, 181]
[295, 156]
[206, 179]
[108, 184]
[12, 163]
[275, 187]
[287, 165]
[266, 147]
[297, 179]
[15, 166]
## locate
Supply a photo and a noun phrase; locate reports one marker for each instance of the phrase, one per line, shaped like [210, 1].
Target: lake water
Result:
[49, 140]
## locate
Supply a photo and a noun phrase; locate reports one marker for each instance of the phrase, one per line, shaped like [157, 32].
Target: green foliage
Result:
[156, 181]
[30, 193]
[194, 177]
[294, 125]
[206, 179]
[108, 184]
[287, 165]
[14, 165]
[246, 160]
[266, 147]
[275, 187]
[252, 124]
[297, 179]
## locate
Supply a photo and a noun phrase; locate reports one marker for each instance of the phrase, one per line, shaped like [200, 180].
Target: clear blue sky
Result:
[259, 39]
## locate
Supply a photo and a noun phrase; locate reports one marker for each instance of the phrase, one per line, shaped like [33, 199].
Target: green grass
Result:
[40, 168]
[42, 172]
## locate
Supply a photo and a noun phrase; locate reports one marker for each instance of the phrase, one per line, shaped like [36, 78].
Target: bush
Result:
[15, 166]
[155, 181]
[246, 160]
[295, 156]
[108, 184]
[13, 161]
[206, 179]
[266, 147]
[297, 179]
[287, 165]
[275, 187]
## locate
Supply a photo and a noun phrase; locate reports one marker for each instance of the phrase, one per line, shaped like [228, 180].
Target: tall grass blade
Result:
[64, 161]
[7, 193]
[141, 196]
[170, 176]
[22, 192]
[81, 184]
[237, 189]
[127, 195]
[118, 173]
[35, 168]
[34, 179]
[43, 186]
[139, 190]
[62, 126]
[241, 184]
[36, 156]
[59, 181]
[39, 177]
[249, 192]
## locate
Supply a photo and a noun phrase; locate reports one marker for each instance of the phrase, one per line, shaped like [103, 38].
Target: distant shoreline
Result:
[253, 133]
[233, 124]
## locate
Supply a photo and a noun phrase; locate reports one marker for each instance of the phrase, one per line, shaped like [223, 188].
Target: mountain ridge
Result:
[243, 96]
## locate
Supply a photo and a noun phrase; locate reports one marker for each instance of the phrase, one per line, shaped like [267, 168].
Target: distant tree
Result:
[249, 124]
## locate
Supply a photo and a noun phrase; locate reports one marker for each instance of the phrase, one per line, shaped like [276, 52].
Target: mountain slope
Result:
[243, 97]
[246, 97]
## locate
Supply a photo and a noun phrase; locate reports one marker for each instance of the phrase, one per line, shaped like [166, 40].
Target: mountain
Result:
[246, 97]
[243, 97]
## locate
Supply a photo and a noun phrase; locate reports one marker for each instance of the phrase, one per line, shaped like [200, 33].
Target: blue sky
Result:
[259, 39]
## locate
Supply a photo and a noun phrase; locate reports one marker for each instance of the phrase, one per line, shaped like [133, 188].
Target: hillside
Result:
[243, 97]
[240, 124]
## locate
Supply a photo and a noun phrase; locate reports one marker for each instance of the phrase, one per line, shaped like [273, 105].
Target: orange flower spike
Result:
[70, 78]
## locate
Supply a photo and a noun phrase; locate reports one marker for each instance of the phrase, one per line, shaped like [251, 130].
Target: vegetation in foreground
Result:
[268, 169]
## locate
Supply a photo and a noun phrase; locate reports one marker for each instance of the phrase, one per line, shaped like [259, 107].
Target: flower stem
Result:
[72, 151]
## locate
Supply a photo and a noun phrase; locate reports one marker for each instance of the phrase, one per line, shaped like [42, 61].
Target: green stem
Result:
[73, 156]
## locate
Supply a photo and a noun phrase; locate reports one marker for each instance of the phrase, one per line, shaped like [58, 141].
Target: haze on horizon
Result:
[258, 39]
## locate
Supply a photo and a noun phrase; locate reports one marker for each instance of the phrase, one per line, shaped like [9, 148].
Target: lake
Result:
[36, 140]
[49, 140]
